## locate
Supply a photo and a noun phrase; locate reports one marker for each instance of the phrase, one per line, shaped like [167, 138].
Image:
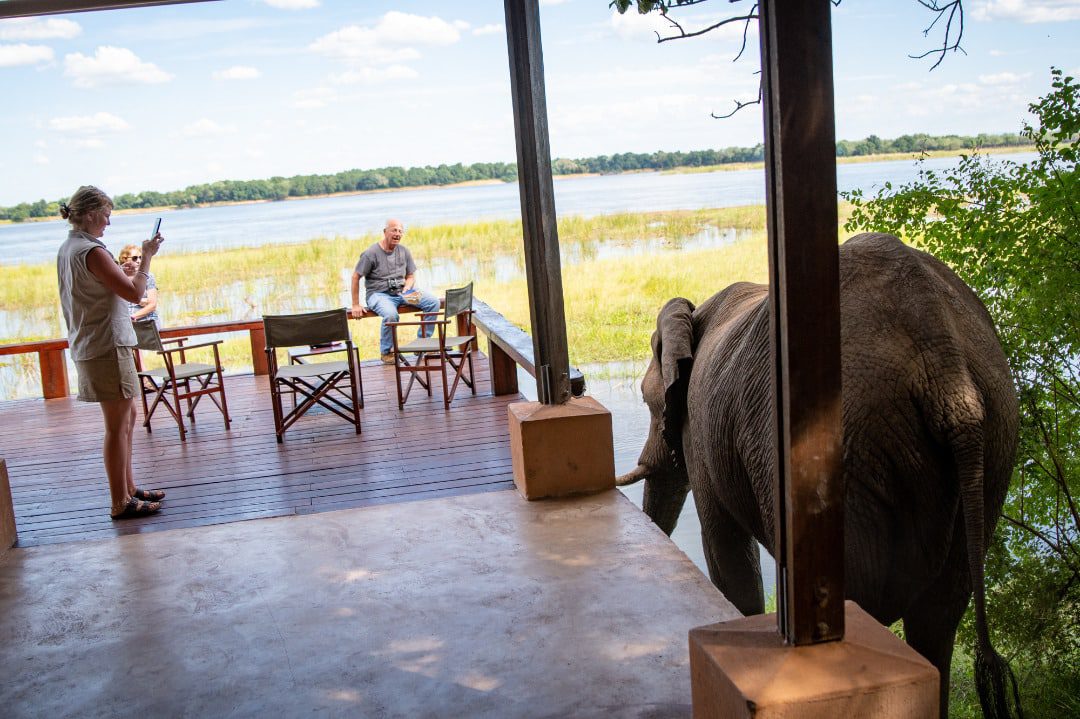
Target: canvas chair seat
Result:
[431, 344]
[335, 385]
[316, 369]
[449, 355]
[180, 371]
[177, 380]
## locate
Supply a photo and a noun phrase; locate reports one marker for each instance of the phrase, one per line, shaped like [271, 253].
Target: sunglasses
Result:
[136, 258]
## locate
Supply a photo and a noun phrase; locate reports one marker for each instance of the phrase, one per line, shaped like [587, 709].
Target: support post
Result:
[543, 434]
[54, 376]
[503, 370]
[804, 292]
[8, 533]
[542, 263]
[257, 336]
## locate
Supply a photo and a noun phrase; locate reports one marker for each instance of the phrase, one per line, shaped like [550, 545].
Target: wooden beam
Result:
[503, 370]
[515, 343]
[543, 270]
[29, 8]
[54, 376]
[800, 171]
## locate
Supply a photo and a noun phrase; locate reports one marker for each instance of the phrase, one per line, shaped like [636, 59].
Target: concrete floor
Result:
[475, 606]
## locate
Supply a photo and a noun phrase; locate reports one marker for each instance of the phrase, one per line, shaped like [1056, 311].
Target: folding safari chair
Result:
[441, 350]
[174, 380]
[336, 386]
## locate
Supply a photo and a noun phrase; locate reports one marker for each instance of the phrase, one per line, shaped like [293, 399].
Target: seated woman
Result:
[146, 308]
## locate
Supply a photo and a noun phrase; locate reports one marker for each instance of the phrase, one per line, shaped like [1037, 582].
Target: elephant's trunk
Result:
[665, 494]
[664, 500]
[636, 474]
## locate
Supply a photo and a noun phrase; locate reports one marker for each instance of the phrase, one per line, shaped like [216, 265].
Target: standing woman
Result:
[94, 293]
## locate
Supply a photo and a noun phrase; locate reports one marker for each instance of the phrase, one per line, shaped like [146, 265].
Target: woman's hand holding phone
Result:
[151, 246]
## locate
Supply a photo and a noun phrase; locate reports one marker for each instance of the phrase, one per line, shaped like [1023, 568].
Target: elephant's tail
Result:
[994, 679]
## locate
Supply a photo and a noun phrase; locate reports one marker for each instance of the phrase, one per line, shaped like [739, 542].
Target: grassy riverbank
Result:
[726, 167]
[612, 287]
[855, 159]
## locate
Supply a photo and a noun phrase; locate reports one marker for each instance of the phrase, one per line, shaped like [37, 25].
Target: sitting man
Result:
[389, 276]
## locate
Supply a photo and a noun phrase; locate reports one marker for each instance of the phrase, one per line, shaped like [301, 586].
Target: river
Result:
[265, 223]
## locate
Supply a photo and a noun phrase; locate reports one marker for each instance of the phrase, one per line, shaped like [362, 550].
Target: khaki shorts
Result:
[107, 378]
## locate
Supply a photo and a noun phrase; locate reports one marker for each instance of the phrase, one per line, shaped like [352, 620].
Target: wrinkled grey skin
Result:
[930, 428]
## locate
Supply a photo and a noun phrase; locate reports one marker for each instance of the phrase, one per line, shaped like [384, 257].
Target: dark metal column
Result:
[800, 172]
[542, 265]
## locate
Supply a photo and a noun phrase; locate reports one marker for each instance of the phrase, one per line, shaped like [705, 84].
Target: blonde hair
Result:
[86, 200]
[126, 253]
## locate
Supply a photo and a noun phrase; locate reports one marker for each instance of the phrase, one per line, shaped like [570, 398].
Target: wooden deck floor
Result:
[53, 453]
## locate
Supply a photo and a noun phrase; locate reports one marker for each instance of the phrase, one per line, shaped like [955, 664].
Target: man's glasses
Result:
[136, 258]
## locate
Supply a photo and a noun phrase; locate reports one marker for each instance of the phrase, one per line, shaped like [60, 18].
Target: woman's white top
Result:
[97, 318]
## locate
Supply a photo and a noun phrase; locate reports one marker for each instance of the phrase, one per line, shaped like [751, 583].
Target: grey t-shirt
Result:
[385, 271]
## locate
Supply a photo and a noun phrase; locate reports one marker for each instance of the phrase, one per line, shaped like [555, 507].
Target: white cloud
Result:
[313, 98]
[356, 43]
[112, 66]
[292, 4]
[90, 143]
[404, 27]
[206, 127]
[38, 29]
[88, 124]
[375, 54]
[1003, 78]
[237, 72]
[392, 38]
[489, 29]
[22, 54]
[373, 75]
[554, 2]
[1027, 11]
[41, 159]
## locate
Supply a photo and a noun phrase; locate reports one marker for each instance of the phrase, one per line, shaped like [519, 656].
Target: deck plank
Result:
[53, 451]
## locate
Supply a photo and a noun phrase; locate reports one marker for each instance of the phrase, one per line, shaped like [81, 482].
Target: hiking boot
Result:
[388, 358]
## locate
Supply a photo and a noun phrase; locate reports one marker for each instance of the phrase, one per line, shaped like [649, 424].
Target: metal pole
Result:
[800, 172]
[543, 269]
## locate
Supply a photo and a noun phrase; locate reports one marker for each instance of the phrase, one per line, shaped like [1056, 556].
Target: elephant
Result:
[929, 419]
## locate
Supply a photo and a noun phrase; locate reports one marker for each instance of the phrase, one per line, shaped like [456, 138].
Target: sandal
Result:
[137, 508]
[149, 495]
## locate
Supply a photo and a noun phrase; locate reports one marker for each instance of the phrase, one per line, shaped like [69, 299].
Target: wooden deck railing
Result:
[508, 346]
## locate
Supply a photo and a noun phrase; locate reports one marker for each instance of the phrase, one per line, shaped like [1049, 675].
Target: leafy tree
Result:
[1012, 232]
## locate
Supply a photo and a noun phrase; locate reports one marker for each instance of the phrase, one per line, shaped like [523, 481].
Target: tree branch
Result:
[739, 104]
[953, 12]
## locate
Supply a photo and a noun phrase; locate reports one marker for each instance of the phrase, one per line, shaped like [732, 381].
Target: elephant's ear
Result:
[674, 350]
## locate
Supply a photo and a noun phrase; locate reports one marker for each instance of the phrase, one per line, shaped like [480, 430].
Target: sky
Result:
[165, 97]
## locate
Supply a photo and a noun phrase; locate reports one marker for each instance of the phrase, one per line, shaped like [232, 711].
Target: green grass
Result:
[610, 304]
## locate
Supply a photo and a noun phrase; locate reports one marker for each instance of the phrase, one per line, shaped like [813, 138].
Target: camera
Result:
[396, 285]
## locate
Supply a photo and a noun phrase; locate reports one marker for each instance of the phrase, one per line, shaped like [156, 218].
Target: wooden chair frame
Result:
[438, 351]
[313, 381]
[173, 381]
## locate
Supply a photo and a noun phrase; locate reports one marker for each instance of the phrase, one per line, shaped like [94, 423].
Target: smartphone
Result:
[157, 228]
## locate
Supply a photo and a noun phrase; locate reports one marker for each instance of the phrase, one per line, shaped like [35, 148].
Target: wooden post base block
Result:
[561, 449]
[742, 668]
[7, 511]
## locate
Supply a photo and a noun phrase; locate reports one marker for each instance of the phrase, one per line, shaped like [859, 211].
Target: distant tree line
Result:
[280, 188]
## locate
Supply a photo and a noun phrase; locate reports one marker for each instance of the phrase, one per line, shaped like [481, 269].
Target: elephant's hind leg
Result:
[931, 620]
[732, 556]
